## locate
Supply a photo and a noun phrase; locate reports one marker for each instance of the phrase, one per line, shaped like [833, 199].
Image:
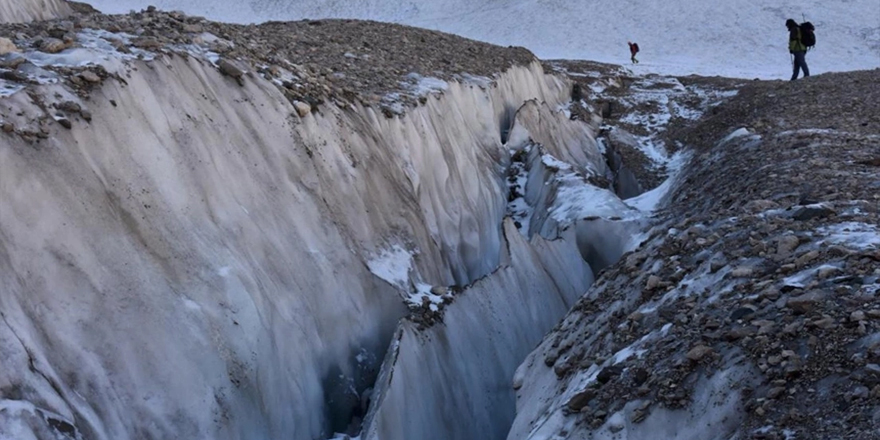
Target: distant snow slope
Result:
[737, 38]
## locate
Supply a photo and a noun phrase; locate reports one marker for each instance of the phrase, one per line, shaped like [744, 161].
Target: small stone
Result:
[120, 46]
[652, 283]
[775, 392]
[69, 106]
[608, 373]
[7, 46]
[786, 245]
[873, 369]
[581, 399]
[787, 267]
[826, 272]
[90, 76]
[806, 258]
[53, 45]
[825, 323]
[302, 108]
[640, 376]
[806, 302]
[740, 333]
[858, 315]
[147, 43]
[770, 293]
[811, 212]
[741, 313]
[873, 314]
[697, 353]
[193, 28]
[792, 328]
[793, 369]
[760, 411]
[13, 75]
[774, 360]
[87, 115]
[12, 60]
[8, 127]
[875, 393]
[742, 272]
[65, 123]
[230, 68]
[756, 206]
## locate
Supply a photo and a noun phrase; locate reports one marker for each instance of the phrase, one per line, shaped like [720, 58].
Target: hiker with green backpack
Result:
[800, 39]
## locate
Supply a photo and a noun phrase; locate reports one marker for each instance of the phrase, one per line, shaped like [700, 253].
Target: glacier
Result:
[197, 261]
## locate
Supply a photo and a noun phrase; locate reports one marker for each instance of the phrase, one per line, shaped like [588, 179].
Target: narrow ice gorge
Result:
[197, 261]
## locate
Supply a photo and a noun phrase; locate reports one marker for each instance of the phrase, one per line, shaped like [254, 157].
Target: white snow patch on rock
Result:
[855, 235]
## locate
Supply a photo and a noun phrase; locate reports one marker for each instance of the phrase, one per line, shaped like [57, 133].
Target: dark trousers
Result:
[800, 63]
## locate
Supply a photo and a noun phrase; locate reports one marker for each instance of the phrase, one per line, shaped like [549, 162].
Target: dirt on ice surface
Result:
[753, 307]
[333, 61]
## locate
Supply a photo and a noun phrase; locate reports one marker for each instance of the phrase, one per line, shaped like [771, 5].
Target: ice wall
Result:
[453, 380]
[20, 11]
[192, 263]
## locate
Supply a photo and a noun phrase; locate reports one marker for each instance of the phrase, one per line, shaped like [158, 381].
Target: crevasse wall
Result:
[21, 11]
[454, 380]
[191, 264]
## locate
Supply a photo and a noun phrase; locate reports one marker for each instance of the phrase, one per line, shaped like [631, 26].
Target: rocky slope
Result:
[752, 309]
[335, 61]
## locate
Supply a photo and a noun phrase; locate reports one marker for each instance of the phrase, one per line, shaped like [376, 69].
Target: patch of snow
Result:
[650, 200]
[95, 49]
[190, 304]
[739, 132]
[8, 88]
[392, 101]
[392, 265]
[424, 291]
[577, 200]
[552, 162]
[855, 235]
[424, 86]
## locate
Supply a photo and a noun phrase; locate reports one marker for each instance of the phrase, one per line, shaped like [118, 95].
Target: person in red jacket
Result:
[633, 50]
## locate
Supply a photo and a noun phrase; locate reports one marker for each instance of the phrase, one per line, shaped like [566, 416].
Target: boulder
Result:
[230, 68]
[7, 46]
[53, 45]
[302, 108]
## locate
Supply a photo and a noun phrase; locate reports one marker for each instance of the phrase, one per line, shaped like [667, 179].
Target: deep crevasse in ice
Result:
[195, 262]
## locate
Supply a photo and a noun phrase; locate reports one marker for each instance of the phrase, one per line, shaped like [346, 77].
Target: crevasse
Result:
[194, 262]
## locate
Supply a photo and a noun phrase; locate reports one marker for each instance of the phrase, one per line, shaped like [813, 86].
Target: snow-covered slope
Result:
[738, 38]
